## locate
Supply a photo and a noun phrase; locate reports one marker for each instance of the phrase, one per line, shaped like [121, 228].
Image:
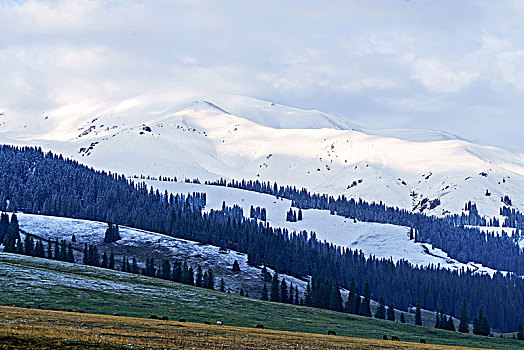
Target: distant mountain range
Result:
[240, 137]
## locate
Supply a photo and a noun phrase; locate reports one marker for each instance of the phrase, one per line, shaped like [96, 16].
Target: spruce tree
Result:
[520, 332]
[352, 305]
[85, 261]
[199, 280]
[112, 261]
[20, 247]
[165, 270]
[418, 314]
[464, 319]
[481, 324]
[112, 233]
[365, 309]
[307, 296]
[265, 295]
[57, 251]
[63, 251]
[484, 324]
[209, 281]
[335, 299]
[402, 318]
[450, 324]
[358, 301]
[381, 310]
[274, 294]
[236, 267]
[50, 250]
[390, 316]
[28, 245]
[134, 267]
[190, 277]
[283, 291]
[70, 255]
[105, 262]
[222, 286]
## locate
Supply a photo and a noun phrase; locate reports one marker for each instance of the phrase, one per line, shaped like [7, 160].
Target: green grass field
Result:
[32, 282]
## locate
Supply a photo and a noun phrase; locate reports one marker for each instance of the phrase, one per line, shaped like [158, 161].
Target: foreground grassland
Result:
[32, 282]
[39, 329]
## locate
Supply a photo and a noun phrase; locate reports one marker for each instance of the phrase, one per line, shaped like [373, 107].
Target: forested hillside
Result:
[45, 183]
[447, 233]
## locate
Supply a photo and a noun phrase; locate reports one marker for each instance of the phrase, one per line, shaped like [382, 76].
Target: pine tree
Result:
[222, 286]
[418, 314]
[402, 318]
[381, 311]
[464, 319]
[265, 295]
[275, 289]
[390, 316]
[437, 318]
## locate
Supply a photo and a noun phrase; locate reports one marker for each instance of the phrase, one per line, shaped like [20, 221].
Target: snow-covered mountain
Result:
[239, 137]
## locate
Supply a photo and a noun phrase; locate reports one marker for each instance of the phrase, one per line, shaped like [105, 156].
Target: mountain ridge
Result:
[239, 137]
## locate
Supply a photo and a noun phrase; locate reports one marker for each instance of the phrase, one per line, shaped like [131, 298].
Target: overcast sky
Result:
[451, 65]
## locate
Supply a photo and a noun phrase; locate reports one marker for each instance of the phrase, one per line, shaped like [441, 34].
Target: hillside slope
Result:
[54, 285]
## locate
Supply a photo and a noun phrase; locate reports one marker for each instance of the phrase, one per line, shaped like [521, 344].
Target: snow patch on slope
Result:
[381, 240]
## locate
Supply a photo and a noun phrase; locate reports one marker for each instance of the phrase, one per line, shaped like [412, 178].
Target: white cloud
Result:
[442, 78]
[510, 64]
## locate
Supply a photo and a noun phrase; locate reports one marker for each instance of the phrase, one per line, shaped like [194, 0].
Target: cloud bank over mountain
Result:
[393, 64]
